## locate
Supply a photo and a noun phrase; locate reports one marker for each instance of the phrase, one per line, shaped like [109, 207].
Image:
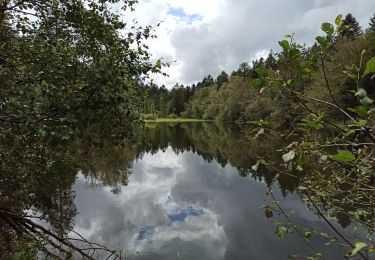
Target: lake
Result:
[186, 191]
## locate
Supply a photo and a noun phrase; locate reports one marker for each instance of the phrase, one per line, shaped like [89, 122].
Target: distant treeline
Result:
[240, 96]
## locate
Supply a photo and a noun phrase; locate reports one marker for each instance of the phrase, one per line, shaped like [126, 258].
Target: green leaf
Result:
[338, 20]
[358, 246]
[349, 133]
[281, 232]
[328, 28]
[284, 44]
[322, 41]
[42, 132]
[359, 110]
[289, 156]
[343, 156]
[158, 64]
[295, 53]
[362, 122]
[370, 66]
[257, 82]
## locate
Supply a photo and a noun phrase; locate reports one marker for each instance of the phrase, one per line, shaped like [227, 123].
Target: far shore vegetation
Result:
[174, 120]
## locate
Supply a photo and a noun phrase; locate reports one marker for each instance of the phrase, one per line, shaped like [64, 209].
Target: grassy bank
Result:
[174, 120]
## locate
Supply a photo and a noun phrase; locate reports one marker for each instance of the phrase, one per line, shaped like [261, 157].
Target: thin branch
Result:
[65, 241]
[290, 221]
[332, 226]
[326, 80]
[4, 8]
[323, 102]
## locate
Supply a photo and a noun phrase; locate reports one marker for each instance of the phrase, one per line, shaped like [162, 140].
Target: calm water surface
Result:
[187, 191]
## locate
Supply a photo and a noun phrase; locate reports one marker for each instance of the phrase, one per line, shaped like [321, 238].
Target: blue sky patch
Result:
[183, 213]
[146, 232]
[179, 12]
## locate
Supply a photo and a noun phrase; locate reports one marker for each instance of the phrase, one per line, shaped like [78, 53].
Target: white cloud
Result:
[219, 35]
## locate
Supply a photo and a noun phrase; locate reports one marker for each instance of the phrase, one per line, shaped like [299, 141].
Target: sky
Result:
[201, 37]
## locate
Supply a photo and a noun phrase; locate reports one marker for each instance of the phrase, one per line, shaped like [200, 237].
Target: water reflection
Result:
[190, 195]
[183, 191]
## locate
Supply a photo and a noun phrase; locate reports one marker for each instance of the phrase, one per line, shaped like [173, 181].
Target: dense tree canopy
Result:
[70, 61]
[69, 70]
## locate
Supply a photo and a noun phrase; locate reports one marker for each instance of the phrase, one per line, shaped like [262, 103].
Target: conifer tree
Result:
[271, 61]
[371, 28]
[353, 29]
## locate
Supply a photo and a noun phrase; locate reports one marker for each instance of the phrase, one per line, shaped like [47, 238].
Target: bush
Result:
[185, 114]
[172, 116]
[149, 116]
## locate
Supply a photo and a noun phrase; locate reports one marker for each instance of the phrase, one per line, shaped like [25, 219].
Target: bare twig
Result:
[326, 80]
[332, 226]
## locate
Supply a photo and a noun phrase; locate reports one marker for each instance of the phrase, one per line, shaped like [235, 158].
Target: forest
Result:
[240, 95]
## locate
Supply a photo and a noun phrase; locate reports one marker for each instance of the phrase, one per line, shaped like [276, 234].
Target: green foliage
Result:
[24, 249]
[370, 66]
[322, 41]
[94, 64]
[358, 246]
[343, 156]
[338, 20]
[281, 232]
[328, 28]
[69, 70]
[335, 92]
[285, 45]
[221, 79]
[149, 116]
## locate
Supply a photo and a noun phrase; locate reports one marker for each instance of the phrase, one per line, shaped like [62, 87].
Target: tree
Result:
[271, 61]
[77, 64]
[68, 70]
[179, 98]
[258, 63]
[371, 28]
[351, 27]
[207, 81]
[221, 79]
[244, 69]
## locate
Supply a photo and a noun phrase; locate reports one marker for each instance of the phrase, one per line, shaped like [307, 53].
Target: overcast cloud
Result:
[207, 36]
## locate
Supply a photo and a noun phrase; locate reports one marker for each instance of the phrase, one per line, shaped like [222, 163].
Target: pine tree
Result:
[371, 28]
[353, 29]
[271, 61]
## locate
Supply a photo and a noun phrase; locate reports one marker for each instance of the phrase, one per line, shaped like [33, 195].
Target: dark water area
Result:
[186, 191]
